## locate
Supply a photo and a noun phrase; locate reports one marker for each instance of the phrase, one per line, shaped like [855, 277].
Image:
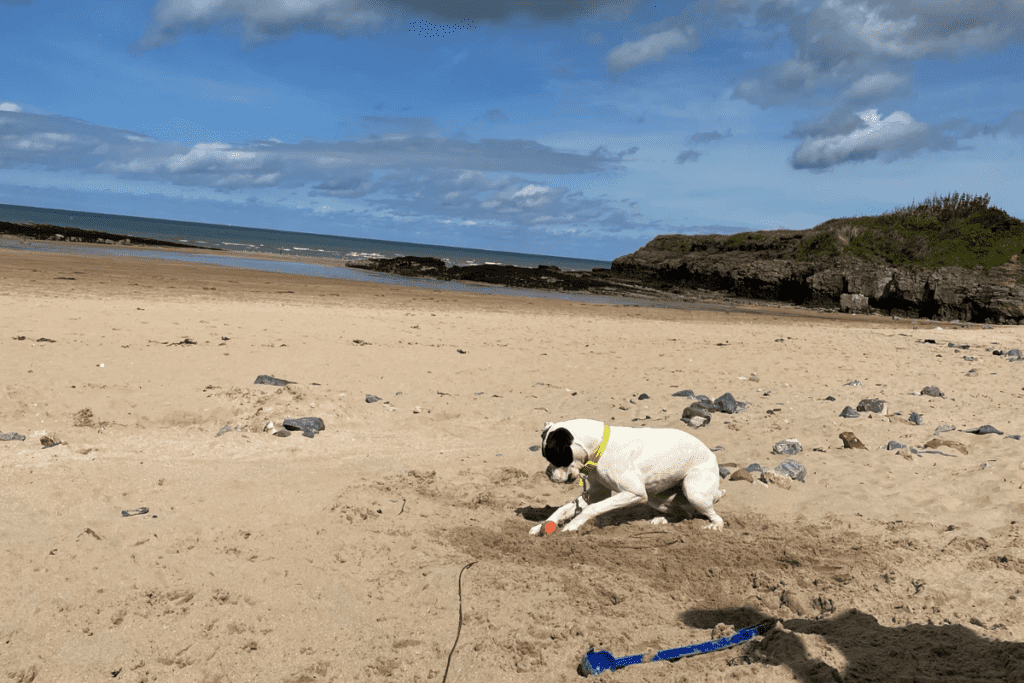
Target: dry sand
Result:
[338, 558]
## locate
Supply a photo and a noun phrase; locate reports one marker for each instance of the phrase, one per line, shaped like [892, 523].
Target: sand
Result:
[338, 558]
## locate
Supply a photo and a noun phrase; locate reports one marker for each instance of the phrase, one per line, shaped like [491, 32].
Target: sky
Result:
[579, 128]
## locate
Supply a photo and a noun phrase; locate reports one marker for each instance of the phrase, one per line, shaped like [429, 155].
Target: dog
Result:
[668, 469]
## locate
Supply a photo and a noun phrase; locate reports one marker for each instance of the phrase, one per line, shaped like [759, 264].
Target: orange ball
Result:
[550, 528]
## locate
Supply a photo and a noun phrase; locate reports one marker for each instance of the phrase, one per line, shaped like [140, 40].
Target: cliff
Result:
[949, 258]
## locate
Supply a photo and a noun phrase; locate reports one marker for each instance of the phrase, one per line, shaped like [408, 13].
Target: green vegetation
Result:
[955, 230]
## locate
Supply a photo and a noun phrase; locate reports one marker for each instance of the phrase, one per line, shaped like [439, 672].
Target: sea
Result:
[306, 253]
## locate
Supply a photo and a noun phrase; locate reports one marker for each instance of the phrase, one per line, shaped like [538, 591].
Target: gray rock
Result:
[534, 448]
[696, 421]
[788, 447]
[12, 436]
[282, 433]
[894, 446]
[642, 397]
[685, 393]
[933, 391]
[723, 472]
[853, 383]
[983, 429]
[224, 429]
[697, 410]
[849, 412]
[1012, 436]
[309, 426]
[873, 405]
[754, 467]
[830, 398]
[916, 419]
[944, 428]
[370, 398]
[727, 404]
[272, 381]
[792, 469]
[951, 345]
[706, 402]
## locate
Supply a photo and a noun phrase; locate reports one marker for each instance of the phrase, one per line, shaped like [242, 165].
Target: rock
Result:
[951, 345]
[224, 430]
[792, 469]
[11, 436]
[642, 397]
[272, 381]
[943, 428]
[695, 410]
[851, 441]
[723, 472]
[696, 421]
[849, 412]
[727, 404]
[873, 405]
[1009, 436]
[685, 393]
[916, 418]
[787, 447]
[853, 383]
[309, 426]
[741, 475]
[830, 398]
[282, 433]
[50, 441]
[940, 443]
[983, 429]
[973, 372]
[932, 391]
[370, 398]
[894, 446]
[779, 480]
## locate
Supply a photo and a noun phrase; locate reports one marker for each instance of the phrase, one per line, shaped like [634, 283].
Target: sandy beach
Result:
[338, 557]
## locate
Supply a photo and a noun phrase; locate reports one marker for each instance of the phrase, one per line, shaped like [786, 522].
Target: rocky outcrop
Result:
[995, 295]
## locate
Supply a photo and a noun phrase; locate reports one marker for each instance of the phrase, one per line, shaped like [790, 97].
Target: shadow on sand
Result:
[853, 646]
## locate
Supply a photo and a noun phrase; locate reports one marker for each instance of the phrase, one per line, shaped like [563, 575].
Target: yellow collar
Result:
[589, 465]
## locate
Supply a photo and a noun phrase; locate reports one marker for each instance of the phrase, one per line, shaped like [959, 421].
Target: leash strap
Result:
[590, 465]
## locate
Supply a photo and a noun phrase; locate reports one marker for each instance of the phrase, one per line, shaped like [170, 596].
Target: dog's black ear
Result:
[558, 447]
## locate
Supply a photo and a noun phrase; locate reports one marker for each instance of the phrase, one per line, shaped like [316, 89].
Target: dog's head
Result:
[558, 449]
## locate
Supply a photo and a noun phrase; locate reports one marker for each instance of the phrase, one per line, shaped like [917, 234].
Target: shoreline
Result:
[698, 301]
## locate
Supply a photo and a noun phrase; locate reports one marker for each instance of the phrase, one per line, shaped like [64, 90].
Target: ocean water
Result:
[308, 245]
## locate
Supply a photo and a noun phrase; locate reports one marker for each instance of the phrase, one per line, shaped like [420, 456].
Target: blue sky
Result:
[577, 128]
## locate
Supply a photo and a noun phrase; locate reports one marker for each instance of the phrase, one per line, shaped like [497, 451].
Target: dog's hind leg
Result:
[702, 492]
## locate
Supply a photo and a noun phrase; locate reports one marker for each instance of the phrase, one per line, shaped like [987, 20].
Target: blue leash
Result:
[598, 662]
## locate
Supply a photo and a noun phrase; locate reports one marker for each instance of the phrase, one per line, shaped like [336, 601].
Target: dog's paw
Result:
[537, 530]
[716, 524]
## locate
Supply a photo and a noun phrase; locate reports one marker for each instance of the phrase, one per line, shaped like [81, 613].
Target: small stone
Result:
[224, 429]
[272, 381]
[916, 418]
[1012, 436]
[696, 421]
[894, 446]
[943, 428]
[853, 383]
[697, 410]
[12, 436]
[792, 469]
[830, 398]
[849, 412]
[49, 441]
[754, 467]
[873, 405]
[309, 426]
[741, 475]
[851, 441]
[282, 433]
[932, 391]
[723, 472]
[642, 397]
[534, 448]
[788, 447]
[370, 398]
[685, 393]
[727, 404]
[779, 480]
[983, 429]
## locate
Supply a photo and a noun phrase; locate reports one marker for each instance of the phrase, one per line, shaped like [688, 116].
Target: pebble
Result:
[754, 467]
[894, 446]
[788, 447]
[741, 475]
[916, 418]
[944, 428]
[696, 421]
[309, 426]
[780, 480]
[933, 391]
[642, 397]
[370, 398]
[830, 398]
[49, 441]
[685, 393]
[792, 469]
[723, 472]
[224, 429]
[272, 381]
[983, 429]
[873, 405]
[853, 383]
[11, 436]
[851, 441]
[848, 411]
[727, 404]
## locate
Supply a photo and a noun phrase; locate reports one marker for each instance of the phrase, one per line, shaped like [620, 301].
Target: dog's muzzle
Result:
[562, 475]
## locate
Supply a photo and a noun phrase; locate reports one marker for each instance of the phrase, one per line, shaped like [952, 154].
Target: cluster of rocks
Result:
[782, 475]
[698, 413]
[56, 233]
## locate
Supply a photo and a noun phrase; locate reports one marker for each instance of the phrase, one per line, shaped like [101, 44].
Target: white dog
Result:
[670, 470]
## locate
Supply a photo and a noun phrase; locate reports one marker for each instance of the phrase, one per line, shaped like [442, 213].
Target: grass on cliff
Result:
[955, 230]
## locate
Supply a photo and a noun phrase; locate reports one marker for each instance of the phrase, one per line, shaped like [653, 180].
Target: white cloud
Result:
[653, 48]
[895, 136]
[872, 87]
[9, 106]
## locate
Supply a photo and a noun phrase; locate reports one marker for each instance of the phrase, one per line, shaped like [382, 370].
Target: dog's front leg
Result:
[561, 514]
[619, 500]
